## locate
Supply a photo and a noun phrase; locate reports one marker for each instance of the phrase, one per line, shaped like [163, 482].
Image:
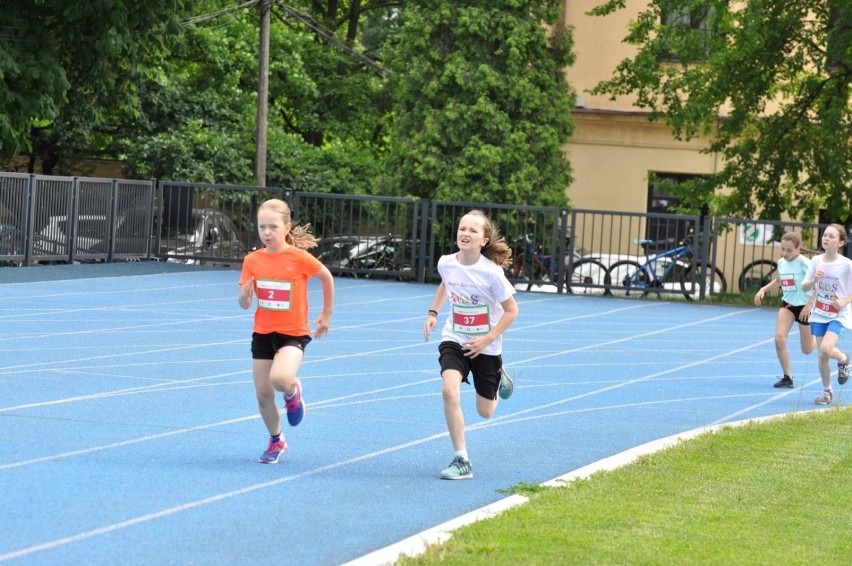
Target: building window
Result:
[666, 233]
[690, 28]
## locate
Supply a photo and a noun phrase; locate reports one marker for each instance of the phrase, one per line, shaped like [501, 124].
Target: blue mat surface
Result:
[129, 430]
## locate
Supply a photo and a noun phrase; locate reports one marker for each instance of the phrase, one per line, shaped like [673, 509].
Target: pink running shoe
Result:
[273, 451]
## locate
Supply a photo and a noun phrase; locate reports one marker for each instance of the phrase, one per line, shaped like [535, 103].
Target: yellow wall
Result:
[614, 146]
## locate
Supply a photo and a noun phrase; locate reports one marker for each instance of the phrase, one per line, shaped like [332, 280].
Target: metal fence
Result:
[68, 219]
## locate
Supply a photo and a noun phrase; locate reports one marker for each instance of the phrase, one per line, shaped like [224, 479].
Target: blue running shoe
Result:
[273, 451]
[295, 406]
[507, 385]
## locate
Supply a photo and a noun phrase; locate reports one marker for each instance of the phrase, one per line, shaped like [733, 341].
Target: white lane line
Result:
[209, 500]
[198, 503]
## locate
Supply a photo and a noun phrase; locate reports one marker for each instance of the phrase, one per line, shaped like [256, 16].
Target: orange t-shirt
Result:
[281, 288]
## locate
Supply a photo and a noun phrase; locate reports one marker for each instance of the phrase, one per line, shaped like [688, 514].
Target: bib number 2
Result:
[274, 295]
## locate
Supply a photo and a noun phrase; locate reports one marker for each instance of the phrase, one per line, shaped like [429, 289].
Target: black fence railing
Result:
[69, 219]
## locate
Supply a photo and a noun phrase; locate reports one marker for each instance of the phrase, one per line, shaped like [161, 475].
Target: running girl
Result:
[796, 303]
[278, 275]
[482, 307]
[830, 274]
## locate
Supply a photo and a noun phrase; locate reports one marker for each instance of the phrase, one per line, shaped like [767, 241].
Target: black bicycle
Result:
[757, 274]
[585, 276]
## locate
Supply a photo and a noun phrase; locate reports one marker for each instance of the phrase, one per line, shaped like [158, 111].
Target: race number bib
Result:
[273, 295]
[788, 283]
[471, 319]
[825, 308]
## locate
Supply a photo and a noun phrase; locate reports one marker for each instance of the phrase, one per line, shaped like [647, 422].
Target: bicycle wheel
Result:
[757, 274]
[587, 277]
[629, 279]
[714, 284]
[536, 272]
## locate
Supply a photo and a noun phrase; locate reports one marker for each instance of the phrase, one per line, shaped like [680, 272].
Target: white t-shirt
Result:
[475, 293]
[837, 282]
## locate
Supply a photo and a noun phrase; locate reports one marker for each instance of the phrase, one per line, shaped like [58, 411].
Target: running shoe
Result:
[507, 385]
[273, 451]
[295, 406]
[825, 398]
[786, 382]
[459, 469]
[843, 372]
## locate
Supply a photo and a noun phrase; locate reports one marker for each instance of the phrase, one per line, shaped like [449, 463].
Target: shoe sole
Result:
[842, 380]
[275, 461]
[507, 386]
[461, 477]
[302, 416]
[784, 386]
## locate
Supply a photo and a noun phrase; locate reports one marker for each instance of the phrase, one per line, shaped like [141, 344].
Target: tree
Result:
[55, 52]
[481, 106]
[326, 107]
[767, 82]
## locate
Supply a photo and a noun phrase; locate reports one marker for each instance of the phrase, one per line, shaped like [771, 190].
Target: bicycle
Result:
[663, 270]
[586, 276]
[757, 274]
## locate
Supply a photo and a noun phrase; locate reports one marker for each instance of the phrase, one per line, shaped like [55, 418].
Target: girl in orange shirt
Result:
[278, 275]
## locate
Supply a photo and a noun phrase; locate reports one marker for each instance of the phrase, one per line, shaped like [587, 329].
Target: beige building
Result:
[614, 146]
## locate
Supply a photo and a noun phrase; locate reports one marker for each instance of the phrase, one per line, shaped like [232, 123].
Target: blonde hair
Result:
[495, 248]
[298, 236]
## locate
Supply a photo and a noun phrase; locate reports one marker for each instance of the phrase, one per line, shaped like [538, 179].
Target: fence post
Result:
[423, 208]
[561, 272]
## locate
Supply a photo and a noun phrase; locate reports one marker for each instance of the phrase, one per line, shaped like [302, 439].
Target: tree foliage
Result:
[174, 95]
[767, 82]
[481, 106]
[68, 63]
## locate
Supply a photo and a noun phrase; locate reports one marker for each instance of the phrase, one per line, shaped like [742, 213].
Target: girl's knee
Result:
[485, 412]
[450, 394]
[283, 382]
[485, 407]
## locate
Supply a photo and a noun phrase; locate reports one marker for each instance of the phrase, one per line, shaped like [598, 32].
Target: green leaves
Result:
[757, 81]
[481, 110]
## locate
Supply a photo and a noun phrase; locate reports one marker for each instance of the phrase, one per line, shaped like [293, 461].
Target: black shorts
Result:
[485, 369]
[265, 346]
[796, 310]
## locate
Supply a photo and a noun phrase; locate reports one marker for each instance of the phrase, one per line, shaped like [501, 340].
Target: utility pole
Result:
[262, 95]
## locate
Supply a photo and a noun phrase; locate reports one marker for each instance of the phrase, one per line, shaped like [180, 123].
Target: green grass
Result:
[775, 492]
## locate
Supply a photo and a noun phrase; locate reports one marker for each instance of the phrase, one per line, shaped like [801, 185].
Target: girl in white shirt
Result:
[830, 275]
[482, 307]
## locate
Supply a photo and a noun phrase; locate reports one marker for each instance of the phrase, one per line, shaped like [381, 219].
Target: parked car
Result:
[209, 234]
[365, 256]
[11, 239]
[54, 238]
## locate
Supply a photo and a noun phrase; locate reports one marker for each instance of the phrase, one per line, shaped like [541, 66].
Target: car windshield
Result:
[335, 249]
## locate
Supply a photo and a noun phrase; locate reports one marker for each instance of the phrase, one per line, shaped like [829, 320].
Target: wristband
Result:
[433, 312]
